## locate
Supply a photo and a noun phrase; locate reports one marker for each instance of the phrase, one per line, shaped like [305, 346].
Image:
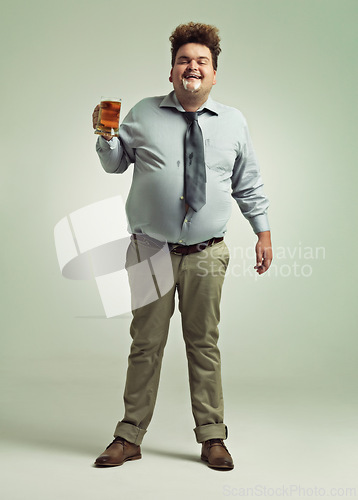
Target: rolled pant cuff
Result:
[210, 431]
[129, 432]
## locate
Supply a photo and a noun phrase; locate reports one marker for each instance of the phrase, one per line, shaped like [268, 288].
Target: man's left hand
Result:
[263, 252]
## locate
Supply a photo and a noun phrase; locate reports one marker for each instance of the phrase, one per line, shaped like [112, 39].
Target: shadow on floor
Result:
[171, 454]
[77, 443]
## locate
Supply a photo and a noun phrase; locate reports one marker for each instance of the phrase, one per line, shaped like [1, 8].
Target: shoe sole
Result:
[136, 457]
[217, 467]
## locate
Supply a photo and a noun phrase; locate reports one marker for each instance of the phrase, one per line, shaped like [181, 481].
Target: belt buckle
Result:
[173, 250]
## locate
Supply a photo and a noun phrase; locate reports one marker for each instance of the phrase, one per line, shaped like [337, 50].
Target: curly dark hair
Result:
[205, 34]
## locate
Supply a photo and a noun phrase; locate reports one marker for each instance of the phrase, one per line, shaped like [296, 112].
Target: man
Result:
[177, 198]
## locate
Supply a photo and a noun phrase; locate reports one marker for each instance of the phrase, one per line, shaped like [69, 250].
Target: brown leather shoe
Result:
[215, 453]
[118, 452]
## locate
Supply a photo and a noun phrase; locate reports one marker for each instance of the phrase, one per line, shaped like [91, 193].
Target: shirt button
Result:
[180, 241]
[182, 197]
[186, 220]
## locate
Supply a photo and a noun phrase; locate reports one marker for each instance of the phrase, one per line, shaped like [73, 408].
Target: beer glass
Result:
[108, 117]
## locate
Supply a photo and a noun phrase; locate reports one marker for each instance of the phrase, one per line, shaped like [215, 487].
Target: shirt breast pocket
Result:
[219, 157]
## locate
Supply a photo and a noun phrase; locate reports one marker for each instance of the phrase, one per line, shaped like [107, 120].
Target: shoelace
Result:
[213, 442]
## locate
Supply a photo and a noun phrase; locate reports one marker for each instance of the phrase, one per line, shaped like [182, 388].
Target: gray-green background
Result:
[288, 339]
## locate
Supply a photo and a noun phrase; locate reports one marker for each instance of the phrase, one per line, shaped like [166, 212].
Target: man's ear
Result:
[170, 76]
[214, 81]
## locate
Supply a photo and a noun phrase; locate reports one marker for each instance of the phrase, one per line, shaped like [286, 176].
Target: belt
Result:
[188, 249]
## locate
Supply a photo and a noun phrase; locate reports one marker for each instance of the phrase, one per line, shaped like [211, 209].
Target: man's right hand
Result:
[95, 120]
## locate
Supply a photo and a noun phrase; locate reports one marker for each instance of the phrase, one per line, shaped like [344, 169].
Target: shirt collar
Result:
[171, 101]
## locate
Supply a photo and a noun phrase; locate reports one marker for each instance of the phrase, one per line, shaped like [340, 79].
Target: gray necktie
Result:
[195, 172]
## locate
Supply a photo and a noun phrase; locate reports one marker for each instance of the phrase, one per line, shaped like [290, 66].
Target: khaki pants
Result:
[198, 278]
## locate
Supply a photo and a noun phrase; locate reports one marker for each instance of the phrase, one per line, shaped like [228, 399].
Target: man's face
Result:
[193, 70]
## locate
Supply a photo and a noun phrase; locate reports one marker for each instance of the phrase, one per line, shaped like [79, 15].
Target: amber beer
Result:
[108, 117]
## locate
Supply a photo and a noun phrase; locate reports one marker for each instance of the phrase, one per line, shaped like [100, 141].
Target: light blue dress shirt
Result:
[152, 137]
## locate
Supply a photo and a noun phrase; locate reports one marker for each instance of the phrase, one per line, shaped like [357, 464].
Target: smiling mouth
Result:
[190, 77]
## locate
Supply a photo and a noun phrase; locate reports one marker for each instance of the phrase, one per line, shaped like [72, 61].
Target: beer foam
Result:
[195, 87]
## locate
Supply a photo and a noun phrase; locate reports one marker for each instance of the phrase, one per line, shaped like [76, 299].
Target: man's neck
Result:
[191, 101]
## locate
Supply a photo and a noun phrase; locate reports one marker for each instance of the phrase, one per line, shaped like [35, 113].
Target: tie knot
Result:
[191, 116]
